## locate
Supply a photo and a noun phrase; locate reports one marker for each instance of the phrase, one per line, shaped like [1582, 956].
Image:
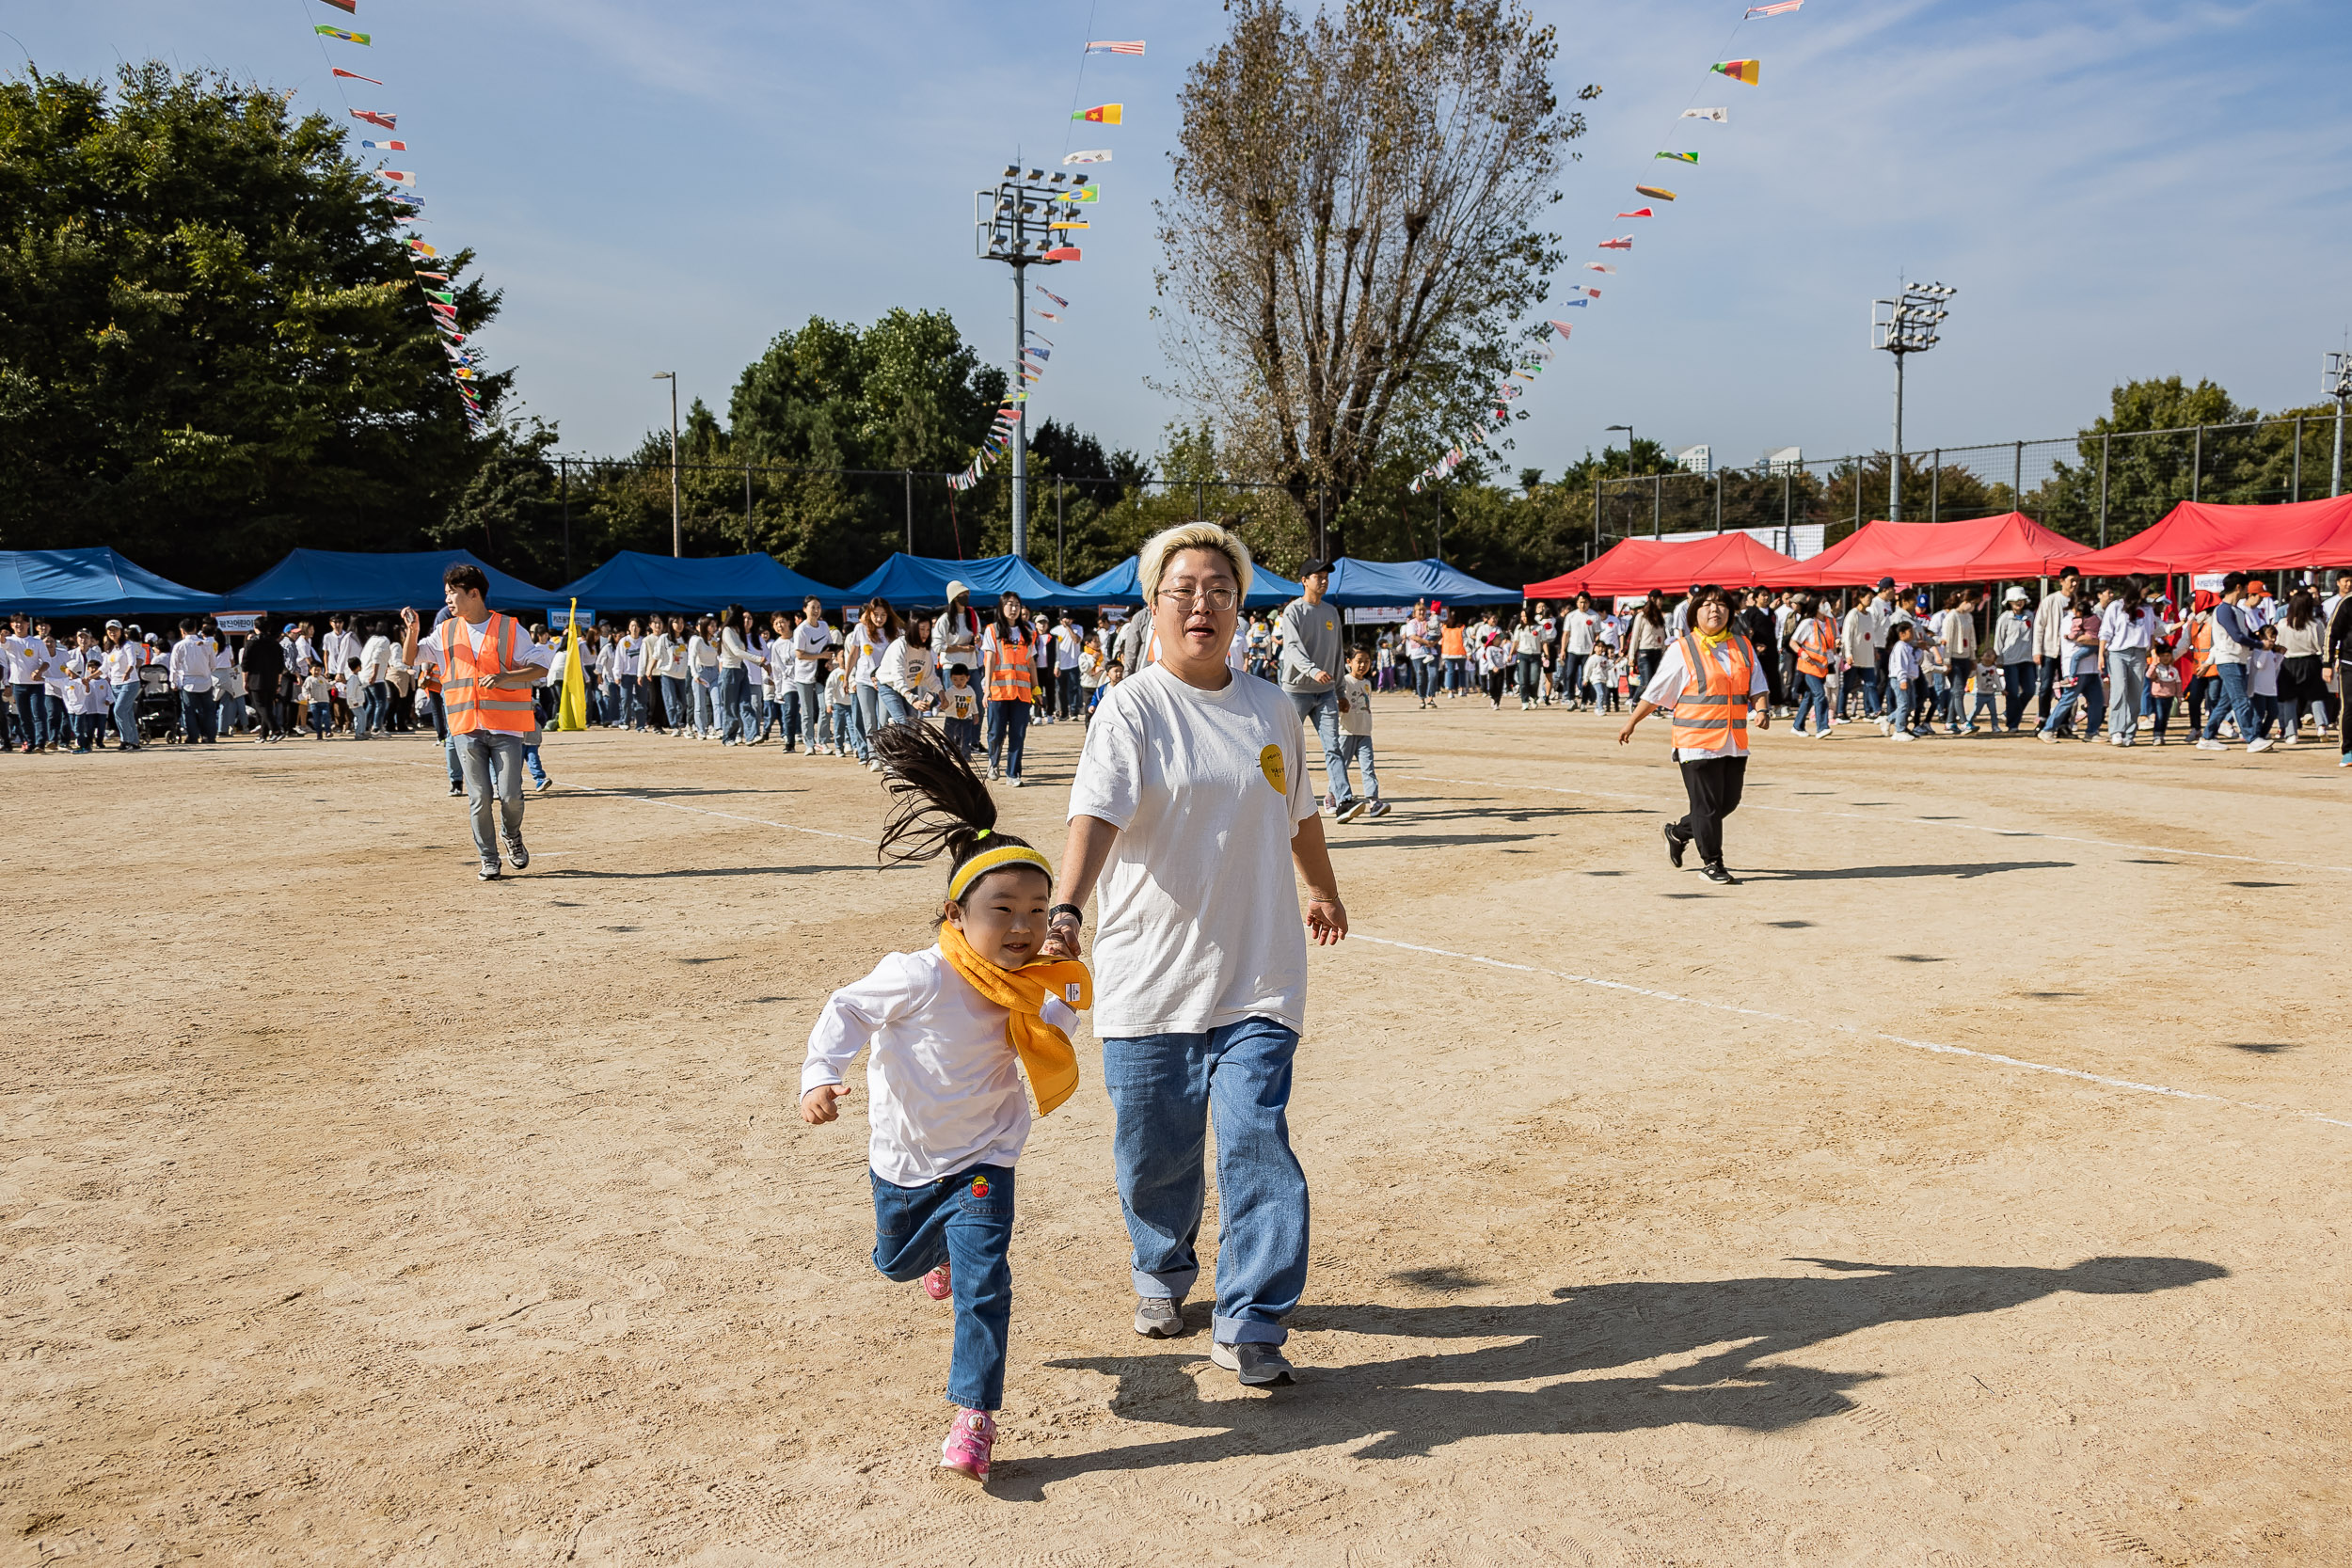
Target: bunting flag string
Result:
[1536, 346]
[399, 187]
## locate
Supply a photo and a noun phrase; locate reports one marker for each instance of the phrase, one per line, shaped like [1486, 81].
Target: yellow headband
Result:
[982, 864]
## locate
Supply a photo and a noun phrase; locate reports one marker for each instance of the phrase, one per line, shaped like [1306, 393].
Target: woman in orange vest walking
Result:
[1813, 636]
[1009, 658]
[488, 665]
[1711, 678]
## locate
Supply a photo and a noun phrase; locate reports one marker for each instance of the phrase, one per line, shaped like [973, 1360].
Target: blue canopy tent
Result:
[922, 579]
[636, 580]
[1362, 584]
[91, 581]
[1120, 585]
[349, 579]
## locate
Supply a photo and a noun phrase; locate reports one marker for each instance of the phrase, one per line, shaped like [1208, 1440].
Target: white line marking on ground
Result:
[1872, 816]
[645, 800]
[1853, 1030]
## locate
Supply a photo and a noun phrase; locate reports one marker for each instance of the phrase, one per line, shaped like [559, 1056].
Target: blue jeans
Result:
[738, 719]
[706, 693]
[677, 707]
[530, 762]
[964, 732]
[1905, 710]
[1457, 674]
[1164, 1089]
[492, 762]
[1356, 750]
[1322, 710]
[2086, 691]
[864, 718]
[896, 709]
[2017, 684]
[917, 1229]
[812, 710]
[1813, 698]
[1425, 677]
[1862, 681]
[127, 713]
[1008, 732]
[1073, 703]
[1571, 680]
[198, 715]
[632, 704]
[322, 716]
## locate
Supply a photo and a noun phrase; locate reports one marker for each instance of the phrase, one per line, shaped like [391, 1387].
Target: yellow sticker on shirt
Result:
[1270, 764]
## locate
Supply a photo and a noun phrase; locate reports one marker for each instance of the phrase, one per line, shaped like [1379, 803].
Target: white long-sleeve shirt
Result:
[942, 1082]
[192, 664]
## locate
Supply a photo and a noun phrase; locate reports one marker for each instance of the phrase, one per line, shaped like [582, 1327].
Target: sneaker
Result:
[2345, 760]
[545, 784]
[1676, 845]
[1020, 784]
[1353, 810]
[1717, 873]
[1379, 808]
[2209, 744]
[1258, 1366]
[1159, 1317]
[1903, 734]
[935, 1284]
[489, 872]
[516, 852]
[2045, 737]
[970, 1440]
[458, 789]
[2262, 745]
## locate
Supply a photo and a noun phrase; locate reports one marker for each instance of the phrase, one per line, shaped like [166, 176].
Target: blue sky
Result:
[2118, 189]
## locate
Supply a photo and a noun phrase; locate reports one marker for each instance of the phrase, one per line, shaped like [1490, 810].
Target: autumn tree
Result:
[1353, 231]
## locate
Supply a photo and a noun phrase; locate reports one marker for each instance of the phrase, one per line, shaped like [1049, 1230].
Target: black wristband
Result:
[1075, 913]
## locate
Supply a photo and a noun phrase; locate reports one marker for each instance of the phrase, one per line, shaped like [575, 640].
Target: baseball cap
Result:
[114, 625]
[1312, 566]
[1886, 582]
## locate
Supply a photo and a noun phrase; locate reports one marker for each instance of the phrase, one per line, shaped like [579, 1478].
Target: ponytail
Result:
[943, 806]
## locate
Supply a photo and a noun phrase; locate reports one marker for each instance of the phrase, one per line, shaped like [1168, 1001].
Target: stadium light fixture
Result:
[1908, 323]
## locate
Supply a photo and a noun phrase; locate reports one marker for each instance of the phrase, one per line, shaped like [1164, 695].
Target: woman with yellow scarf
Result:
[952, 1029]
[1712, 678]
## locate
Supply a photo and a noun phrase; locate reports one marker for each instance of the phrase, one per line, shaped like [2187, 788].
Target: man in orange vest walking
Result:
[488, 667]
[1712, 678]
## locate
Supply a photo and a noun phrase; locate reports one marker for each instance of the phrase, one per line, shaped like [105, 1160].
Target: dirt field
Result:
[356, 1212]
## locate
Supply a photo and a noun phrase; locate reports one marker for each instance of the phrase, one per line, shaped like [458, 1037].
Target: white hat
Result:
[2017, 596]
[956, 590]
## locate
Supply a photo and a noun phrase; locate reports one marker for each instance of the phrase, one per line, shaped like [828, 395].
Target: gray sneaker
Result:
[1259, 1366]
[1158, 1317]
[516, 852]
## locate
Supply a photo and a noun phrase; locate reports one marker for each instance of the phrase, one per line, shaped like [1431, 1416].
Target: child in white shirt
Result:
[949, 1032]
[1355, 736]
[317, 699]
[838, 696]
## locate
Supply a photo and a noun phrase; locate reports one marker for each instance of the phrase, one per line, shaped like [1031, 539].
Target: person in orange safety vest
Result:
[488, 665]
[1712, 680]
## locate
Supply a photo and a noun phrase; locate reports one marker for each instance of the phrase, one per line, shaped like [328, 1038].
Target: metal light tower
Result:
[1025, 221]
[1906, 325]
[676, 531]
[2336, 382]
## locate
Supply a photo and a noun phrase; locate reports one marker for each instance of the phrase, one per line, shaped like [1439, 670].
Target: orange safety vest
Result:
[472, 704]
[1813, 650]
[1011, 677]
[1711, 711]
[2201, 639]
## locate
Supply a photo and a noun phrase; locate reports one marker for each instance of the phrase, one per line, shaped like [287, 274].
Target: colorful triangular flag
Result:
[1738, 71]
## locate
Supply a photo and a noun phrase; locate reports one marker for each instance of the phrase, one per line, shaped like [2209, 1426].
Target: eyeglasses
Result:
[1215, 598]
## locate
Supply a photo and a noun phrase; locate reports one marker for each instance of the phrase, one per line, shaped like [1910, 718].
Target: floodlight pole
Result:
[676, 531]
[1895, 469]
[1021, 411]
[2337, 385]
[1909, 327]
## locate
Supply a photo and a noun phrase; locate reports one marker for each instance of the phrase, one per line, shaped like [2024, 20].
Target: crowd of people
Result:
[2241, 664]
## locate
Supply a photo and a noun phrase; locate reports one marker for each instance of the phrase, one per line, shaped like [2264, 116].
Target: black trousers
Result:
[1713, 787]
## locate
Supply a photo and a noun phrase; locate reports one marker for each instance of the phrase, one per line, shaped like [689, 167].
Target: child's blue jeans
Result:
[1355, 750]
[966, 1222]
[964, 732]
[319, 720]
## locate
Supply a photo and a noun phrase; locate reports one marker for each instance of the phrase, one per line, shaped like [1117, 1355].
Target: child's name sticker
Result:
[1270, 764]
[1072, 991]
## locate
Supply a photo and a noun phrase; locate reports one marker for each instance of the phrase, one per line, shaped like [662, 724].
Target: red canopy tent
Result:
[1982, 549]
[1638, 565]
[2200, 537]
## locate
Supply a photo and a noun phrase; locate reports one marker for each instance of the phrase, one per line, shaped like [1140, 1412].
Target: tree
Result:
[1352, 229]
[212, 346]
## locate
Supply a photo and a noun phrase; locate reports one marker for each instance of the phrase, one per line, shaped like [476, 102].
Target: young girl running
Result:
[951, 1029]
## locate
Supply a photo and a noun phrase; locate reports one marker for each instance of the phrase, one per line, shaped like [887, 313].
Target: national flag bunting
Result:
[1680, 157]
[1656, 193]
[1598, 266]
[1093, 155]
[1782, 8]
[421, 248]
[324, 31]
[398, 177]
[350, 6]
[390, 122]
[1101, 114]
[1062, 253]
[1103, 46]
[1564, 326]
[1622, 242]
[1639, 213]
[384, 147]
[353, 75]
[1721, 117]
[1738, 71]
[441, 277]
[1051, 294]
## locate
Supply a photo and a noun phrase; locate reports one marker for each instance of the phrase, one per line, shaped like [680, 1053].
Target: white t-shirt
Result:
[942, 1082]
[810, 640]
[1197, 918]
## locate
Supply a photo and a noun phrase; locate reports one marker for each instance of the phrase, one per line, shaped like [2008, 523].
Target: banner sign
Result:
[236, 623]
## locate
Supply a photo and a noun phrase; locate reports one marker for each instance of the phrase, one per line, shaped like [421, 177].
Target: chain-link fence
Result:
[2094, 488]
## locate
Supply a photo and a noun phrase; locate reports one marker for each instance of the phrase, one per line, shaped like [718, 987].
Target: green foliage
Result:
[212, 348]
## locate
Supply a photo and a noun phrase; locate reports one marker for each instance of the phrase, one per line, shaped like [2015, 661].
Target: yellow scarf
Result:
[1046, 1051]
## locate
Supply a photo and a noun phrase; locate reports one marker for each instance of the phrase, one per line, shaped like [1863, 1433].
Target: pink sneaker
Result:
[969, 1442]
[935, 1284]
